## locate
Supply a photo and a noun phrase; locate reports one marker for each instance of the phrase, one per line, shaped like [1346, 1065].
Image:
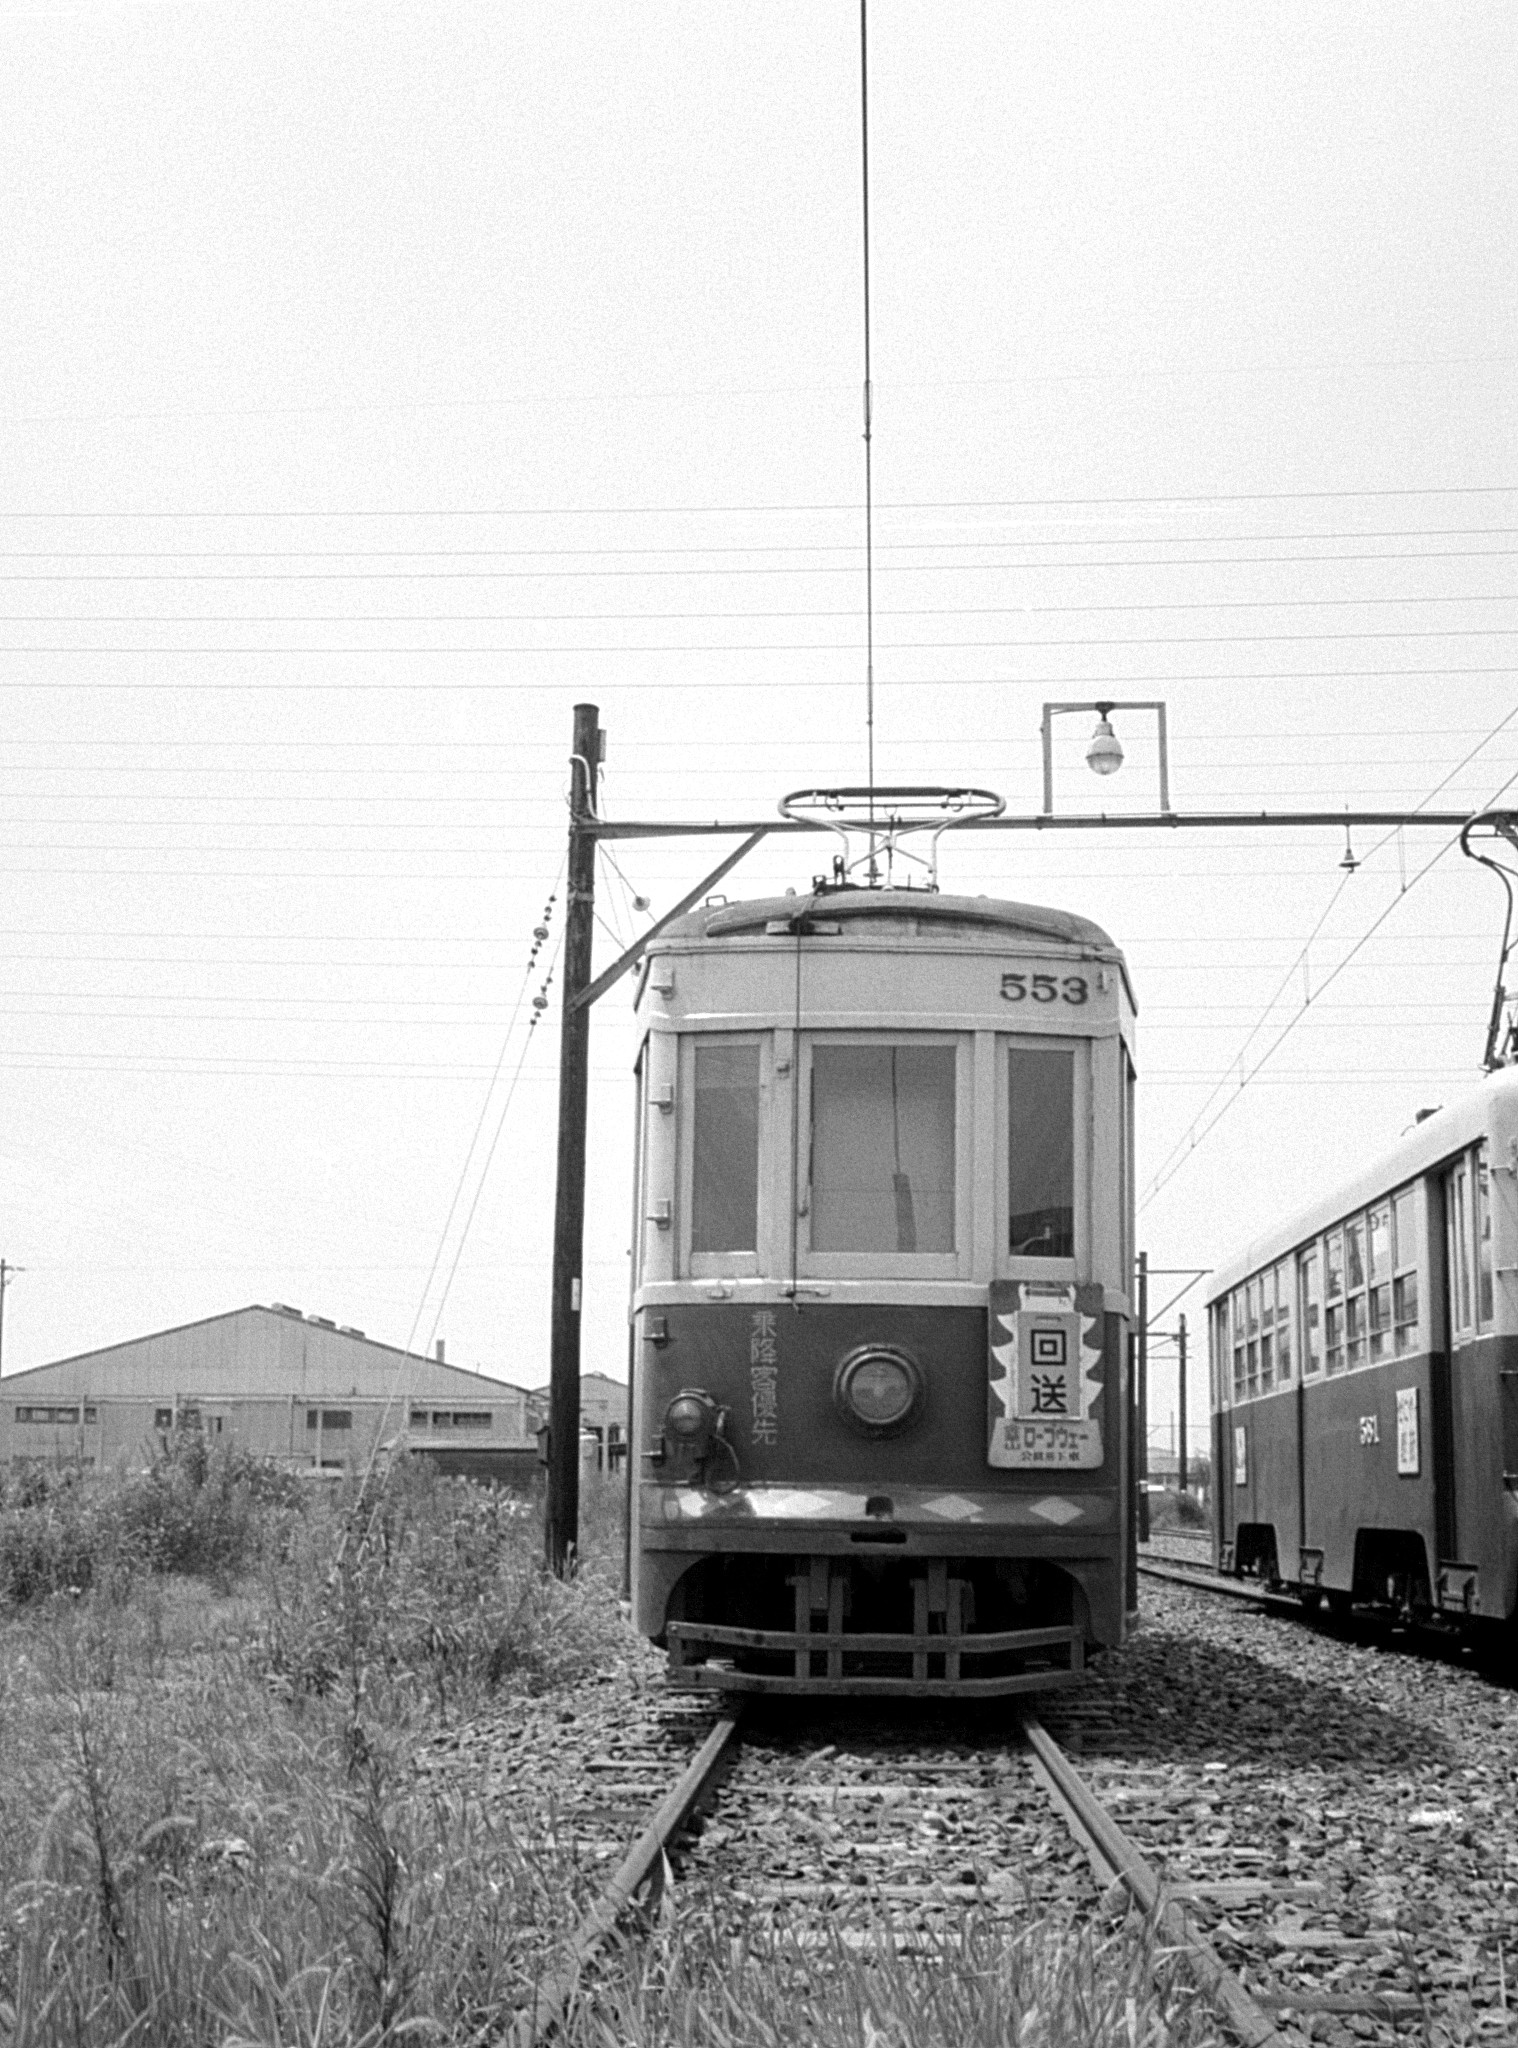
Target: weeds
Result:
[214, 1831]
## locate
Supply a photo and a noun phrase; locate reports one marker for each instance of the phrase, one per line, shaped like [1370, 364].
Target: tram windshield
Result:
[882, 1164]
[725, 1148]
[1041, 1096]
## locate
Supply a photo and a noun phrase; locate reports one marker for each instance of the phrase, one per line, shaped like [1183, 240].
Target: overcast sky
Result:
[375, 383]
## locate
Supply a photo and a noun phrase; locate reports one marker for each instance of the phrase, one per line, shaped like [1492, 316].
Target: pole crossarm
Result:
[635, 952]
[1041, 821]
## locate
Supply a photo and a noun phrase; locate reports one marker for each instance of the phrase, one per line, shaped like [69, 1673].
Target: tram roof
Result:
[1489, 1110]
[860, 906]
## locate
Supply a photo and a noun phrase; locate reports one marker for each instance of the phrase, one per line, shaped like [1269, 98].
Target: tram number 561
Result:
[1044, 988]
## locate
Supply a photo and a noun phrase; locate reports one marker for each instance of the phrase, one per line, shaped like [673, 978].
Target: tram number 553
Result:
[1044, 988]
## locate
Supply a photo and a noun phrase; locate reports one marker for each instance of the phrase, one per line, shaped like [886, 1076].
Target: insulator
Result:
[540, 1002]
[540, 933]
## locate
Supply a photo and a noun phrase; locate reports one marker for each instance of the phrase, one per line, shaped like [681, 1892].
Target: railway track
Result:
[883, 1833]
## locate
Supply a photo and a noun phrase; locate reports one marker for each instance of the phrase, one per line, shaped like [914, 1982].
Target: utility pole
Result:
[1141, 1448]
[561, 1520]
[7, 1275]
[1180, 1338]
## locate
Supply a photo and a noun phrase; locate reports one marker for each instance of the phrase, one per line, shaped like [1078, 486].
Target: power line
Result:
[706, 684]
[1372, 492]
[847, 547]
[940, 611]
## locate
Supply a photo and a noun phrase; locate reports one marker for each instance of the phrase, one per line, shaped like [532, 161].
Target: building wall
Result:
[280, 1384]
[603, 1415]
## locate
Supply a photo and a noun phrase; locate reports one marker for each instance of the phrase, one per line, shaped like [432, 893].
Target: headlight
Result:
[878, 1389]
[691, 1420]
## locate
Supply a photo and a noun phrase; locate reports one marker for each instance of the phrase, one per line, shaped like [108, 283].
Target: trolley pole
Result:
[561, 1521]
[1180, 1339]
[1141, 1448]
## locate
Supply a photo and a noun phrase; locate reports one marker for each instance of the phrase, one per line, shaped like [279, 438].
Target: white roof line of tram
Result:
[1442, 1136]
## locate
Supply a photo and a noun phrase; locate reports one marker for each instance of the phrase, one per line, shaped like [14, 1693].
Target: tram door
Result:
[1447, 1243]
[1468, 1443]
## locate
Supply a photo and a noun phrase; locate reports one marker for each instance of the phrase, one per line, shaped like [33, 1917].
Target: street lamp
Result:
[1104, 756]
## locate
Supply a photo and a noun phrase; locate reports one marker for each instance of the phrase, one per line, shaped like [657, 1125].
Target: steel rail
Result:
[1206, 1581]
[1113, 1853]
[632, 1873]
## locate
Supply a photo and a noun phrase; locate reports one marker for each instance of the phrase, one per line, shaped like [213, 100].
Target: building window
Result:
[1041, 1157]
[725, 1148]
[882, 1166]
[471, 1418]
[337, 1418]
[55, 1415]
[418, 1418]
[163, 1418]
[91, 1414]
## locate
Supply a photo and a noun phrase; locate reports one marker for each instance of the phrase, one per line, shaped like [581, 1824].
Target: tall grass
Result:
[217, 1692]
[225, 1821]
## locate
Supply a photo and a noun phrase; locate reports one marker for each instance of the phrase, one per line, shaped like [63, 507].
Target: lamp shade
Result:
[1104, 756]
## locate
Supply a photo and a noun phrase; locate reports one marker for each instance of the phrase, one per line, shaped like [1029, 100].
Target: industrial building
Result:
[309, 1393]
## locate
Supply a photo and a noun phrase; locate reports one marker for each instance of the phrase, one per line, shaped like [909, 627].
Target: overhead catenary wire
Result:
[1177, 1157]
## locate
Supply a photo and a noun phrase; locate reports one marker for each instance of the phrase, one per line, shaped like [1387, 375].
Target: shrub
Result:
[199, 1509]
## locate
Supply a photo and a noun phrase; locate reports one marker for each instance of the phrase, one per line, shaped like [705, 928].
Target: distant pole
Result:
[561, 1521]
[1141, 1448]
[1180, 1338]
[7, 1275]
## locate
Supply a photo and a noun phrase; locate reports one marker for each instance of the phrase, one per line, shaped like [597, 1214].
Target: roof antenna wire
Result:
[869, 480]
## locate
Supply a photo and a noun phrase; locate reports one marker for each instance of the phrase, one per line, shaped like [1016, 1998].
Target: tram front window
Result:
[881, 1171]
[1041, 1095]
[725, 1149]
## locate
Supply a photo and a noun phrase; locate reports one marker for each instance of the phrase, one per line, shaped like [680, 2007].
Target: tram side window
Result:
[1309, 1287]
[1267, 1286]
[1333, 1300]
[1355, 1315]
[1458, 1243]
[1481, 1187]
[725, 1148]
[1041, 1140]
[1405, 1270]
[1220, 1355]
[1283, 1322]
[1240, 1346]
[882, 1160]
[1378, 1234]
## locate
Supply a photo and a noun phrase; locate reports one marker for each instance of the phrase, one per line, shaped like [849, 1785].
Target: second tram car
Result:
[883, 1240]
[1365, 1380]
